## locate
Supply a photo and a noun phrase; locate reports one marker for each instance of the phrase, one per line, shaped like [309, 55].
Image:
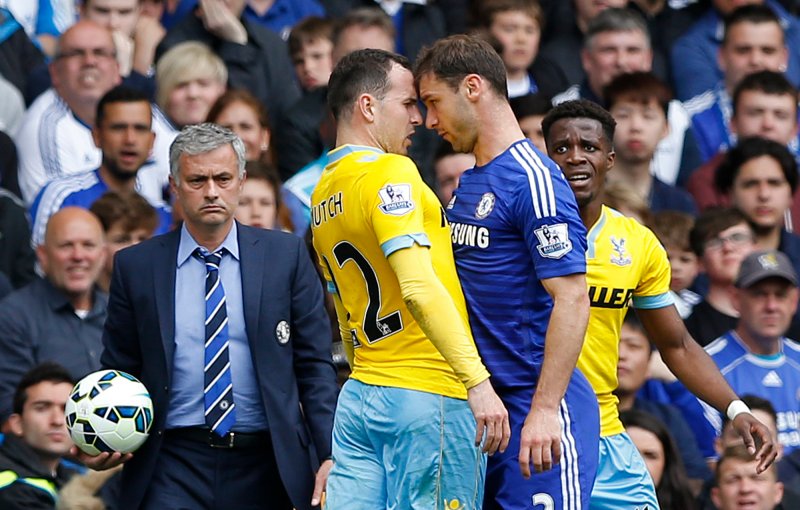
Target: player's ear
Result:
[611, 159]
[472, 85]
[366, 106]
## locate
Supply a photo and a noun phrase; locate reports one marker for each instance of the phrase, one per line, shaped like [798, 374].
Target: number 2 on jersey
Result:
[375, 328]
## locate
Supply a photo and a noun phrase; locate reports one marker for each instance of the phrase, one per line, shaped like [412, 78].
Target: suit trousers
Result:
[191, 475]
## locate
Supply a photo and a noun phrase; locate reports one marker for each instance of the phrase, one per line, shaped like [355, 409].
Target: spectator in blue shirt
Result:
[753, 42]
[695, 67]
[281, 15]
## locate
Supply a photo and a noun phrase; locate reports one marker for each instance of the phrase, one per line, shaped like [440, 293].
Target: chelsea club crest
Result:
[485, 206]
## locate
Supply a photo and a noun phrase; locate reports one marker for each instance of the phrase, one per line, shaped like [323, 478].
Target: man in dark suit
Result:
[240, 372]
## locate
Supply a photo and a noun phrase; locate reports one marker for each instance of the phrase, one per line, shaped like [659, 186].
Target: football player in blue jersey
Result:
[520, 248]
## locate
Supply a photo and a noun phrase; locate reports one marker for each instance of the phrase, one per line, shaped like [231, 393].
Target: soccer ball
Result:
[109, 411]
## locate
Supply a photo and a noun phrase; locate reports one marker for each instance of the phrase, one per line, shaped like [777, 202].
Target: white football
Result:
[109, 411]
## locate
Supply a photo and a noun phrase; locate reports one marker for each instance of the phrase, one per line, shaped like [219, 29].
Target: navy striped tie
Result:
[218, 387]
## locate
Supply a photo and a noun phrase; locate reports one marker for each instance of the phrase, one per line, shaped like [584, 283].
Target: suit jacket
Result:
[296, 378]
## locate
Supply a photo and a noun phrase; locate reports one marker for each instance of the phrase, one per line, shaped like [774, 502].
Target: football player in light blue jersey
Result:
[520, 249]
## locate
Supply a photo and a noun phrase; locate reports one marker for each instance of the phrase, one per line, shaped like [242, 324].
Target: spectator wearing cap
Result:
[755, 357]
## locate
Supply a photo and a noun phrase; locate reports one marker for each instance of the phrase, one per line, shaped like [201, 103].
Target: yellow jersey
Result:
[367, 205]
[626, 265]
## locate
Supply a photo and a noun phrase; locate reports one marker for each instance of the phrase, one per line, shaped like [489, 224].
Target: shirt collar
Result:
[344, 150]
[188, 245]
[57, 300]
[392, 7]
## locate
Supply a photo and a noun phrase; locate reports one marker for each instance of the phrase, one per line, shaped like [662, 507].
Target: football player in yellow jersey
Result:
[419, 402]
[626, 265]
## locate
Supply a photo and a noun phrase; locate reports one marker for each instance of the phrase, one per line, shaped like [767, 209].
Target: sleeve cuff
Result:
[653, 302]
[404, 241]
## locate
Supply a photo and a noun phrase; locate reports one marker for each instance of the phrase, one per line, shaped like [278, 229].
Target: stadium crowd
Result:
[107, 107]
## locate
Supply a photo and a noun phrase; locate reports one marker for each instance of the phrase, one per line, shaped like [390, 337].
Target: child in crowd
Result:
[311, 49]
[672, 229]
[517, 26]
[260, 202]
[127, 219]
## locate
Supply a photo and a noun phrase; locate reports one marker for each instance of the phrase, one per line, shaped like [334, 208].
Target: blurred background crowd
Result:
[704, 93]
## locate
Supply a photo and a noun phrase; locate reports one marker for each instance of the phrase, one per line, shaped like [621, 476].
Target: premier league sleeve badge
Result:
[282, 332]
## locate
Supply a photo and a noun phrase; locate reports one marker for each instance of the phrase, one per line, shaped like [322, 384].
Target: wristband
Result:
[736, 408]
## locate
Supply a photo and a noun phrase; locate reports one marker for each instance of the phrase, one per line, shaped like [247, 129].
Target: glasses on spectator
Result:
[735, 239]
[83, 53]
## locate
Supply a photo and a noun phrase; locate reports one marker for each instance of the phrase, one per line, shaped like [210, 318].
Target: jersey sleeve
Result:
[393, 200]
[547, 216]
[653, 289]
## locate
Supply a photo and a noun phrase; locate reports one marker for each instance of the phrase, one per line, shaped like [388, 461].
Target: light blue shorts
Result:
[403, 449]
[623, 482]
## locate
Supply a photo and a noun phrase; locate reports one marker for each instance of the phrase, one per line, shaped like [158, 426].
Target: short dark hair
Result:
[769, 82]
[711, 223]
[365, 17]
[453, 58]
[360, 72]
[581, 109]
[119, 94]
[632, 320]
[639, 87]
[672, 228]
[530, 104]
[308, 30]
[752, 148]
[488, 9]
[615, 19]
[130, 209]
[751, 13]
[742, 453]
[44, 372]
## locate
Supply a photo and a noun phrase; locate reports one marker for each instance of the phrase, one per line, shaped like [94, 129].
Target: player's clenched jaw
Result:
[584, 153]
[449, 112]
[396, 114]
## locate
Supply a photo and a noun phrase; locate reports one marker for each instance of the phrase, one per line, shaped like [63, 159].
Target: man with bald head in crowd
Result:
[58, 317]
[55, 138]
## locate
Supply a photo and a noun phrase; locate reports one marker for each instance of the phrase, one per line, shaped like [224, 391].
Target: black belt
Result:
[231, 440]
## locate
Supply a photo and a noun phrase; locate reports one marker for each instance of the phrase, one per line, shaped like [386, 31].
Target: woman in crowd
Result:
[658, 450]
[242, 113]
[260, 203]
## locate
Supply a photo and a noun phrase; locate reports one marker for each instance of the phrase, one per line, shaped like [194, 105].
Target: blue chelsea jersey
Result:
[514, 222]
[775, 378]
